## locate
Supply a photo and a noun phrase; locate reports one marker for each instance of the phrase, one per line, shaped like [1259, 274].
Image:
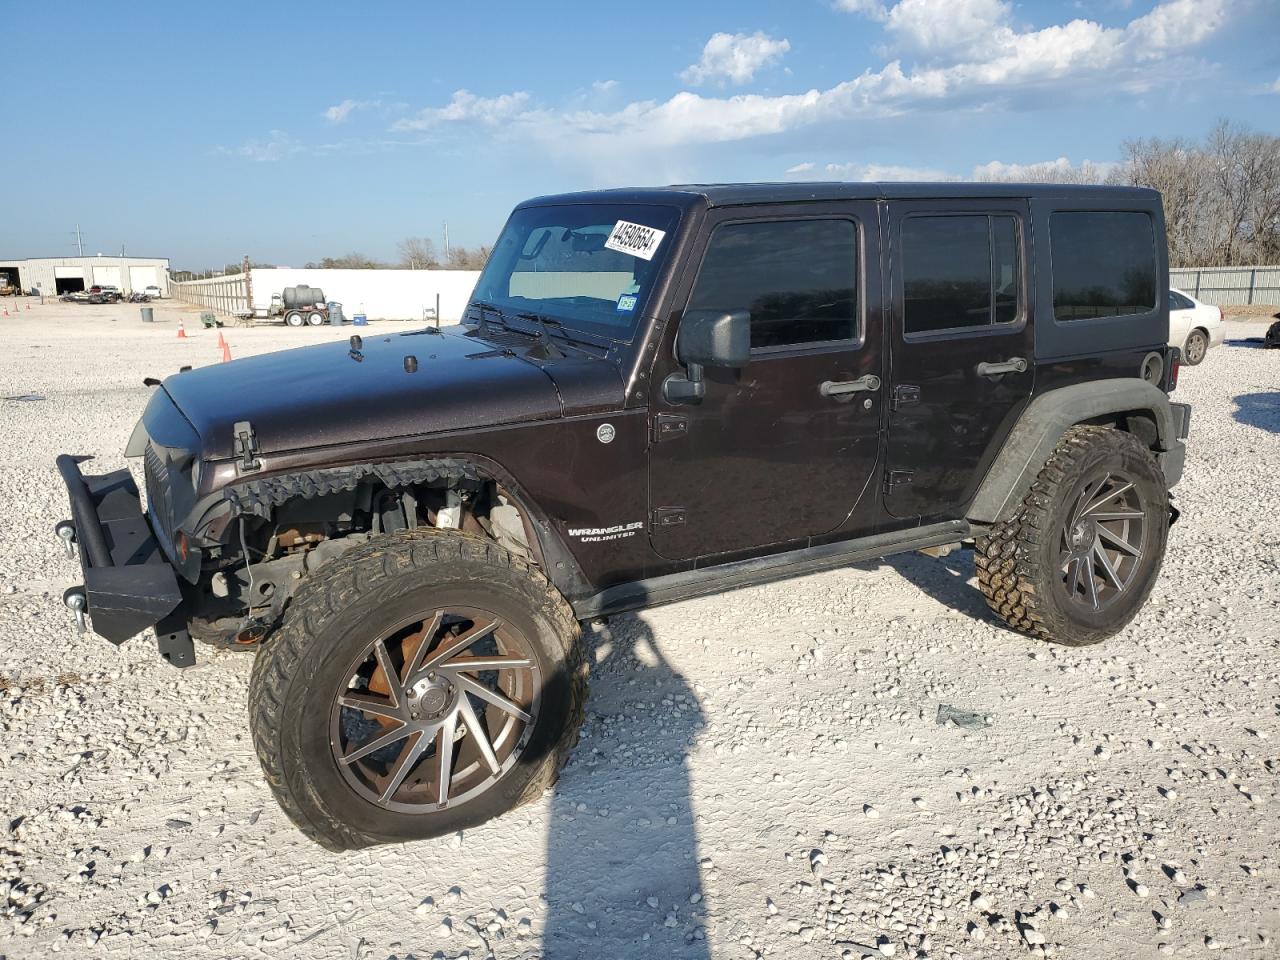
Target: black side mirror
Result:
[708, 338]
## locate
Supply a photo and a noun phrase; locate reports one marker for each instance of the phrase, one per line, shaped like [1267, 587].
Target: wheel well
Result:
[1140, 423]
[279, 530]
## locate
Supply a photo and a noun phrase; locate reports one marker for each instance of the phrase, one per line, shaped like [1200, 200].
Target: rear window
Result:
[1104, 264]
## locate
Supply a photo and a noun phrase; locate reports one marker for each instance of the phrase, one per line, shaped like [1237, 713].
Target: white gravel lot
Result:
[760, 774]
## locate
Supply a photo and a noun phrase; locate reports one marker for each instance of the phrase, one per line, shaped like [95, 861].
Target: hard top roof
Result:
[731, 194]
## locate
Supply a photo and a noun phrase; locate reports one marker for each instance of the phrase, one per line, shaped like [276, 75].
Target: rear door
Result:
[782, 449]
[962, 363]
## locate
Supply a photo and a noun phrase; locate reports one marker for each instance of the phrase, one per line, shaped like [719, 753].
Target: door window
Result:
[959, 272]
[797, 278]
[1178, 302]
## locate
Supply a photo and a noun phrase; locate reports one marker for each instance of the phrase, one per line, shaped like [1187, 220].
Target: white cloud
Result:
[466, 106]
[735, 57]
[866, 172]
[1060, 170]
[1275, 87]
[339, 112]
[277, 146]
[949, 29]
[868, 8]
[604, 86]
[1036, 63]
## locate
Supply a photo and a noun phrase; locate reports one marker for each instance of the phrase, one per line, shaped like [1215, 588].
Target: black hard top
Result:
[732, 194]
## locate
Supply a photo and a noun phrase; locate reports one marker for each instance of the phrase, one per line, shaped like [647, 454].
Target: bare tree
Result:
[417, 253]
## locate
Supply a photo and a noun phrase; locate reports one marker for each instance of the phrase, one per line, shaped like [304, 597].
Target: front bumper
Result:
[128, 583]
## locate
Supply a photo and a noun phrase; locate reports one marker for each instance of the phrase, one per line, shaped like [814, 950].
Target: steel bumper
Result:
[129, 585]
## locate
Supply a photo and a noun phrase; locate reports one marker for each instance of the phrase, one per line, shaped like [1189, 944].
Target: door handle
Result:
[837, 388]
[1012, 365]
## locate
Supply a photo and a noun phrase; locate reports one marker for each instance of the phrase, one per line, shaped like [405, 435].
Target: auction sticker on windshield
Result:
[635, 239]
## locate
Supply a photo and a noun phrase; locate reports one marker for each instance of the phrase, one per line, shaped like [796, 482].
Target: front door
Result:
[782, 449]
[962, 349]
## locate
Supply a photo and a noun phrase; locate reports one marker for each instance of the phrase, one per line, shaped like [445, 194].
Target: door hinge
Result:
[905, 393]
[668, 516]
[669, 426]
[245, 445]
[897, 478]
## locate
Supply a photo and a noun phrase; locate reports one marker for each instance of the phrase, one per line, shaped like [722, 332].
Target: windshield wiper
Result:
[544, 333]
[484, 308]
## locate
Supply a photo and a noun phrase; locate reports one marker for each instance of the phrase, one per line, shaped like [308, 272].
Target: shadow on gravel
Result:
[945, 579]
[623, 879]
[1261, 410]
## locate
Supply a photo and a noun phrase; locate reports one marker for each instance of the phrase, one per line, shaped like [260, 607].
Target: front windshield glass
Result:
[590, 267]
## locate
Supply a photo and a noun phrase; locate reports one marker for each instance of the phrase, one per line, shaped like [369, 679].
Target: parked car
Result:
[1194, 326]
[152, 291]
[658, 394]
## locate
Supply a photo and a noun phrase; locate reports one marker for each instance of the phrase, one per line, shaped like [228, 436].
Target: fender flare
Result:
[1051, 414]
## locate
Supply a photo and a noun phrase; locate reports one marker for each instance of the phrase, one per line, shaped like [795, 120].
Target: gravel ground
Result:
[760, 774]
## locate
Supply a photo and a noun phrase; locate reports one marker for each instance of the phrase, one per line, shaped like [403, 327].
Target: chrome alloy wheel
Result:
[435, 711]
[1102, 542]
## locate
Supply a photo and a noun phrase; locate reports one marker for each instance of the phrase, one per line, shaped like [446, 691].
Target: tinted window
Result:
[959, 272]
[797, 278]
[1104, 264]
[553, 262]
[1178, 302]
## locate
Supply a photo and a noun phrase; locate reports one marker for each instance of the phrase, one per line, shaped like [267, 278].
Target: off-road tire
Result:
[334, 611]
[295, 319]
[1196, 348]
[1018, 561]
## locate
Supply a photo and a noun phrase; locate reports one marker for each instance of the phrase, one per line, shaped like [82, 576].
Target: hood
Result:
[331, 394]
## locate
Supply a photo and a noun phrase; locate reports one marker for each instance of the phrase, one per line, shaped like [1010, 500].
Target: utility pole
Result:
[446, 239]
[79, 240]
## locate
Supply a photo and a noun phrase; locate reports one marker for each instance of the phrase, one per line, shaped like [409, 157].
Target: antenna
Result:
[79, 240]
[446, 238]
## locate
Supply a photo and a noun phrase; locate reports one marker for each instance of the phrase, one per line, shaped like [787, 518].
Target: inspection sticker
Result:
[627, 302]
[635, 239]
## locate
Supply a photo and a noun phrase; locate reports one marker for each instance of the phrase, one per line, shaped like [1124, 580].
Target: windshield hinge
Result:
[246, 445]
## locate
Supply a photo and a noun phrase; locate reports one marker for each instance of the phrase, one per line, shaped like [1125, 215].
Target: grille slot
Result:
[159, 492]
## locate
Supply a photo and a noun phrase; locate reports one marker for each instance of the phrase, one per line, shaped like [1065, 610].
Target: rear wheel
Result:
[315, 319]
[420, 684]
[1081, 553]
[295, 319]
[1196, 348]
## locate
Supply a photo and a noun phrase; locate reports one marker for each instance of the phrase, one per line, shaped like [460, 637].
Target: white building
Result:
[52, 276]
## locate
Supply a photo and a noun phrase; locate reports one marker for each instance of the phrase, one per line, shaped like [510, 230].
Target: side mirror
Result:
[711, 339]
[707, 338]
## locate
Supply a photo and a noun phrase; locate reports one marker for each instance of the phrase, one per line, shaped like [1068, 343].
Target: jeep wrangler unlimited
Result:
[655, 394]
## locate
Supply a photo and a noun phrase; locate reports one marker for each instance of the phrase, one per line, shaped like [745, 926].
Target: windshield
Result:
[589, 266]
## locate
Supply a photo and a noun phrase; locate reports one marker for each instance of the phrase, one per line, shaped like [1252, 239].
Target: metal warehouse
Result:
[50, 276]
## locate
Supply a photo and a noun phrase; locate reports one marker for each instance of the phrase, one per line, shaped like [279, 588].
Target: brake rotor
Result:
[378, 679]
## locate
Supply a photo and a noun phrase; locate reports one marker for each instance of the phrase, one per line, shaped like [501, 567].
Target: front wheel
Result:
[421, 684]
[295, 319]
[1080, 554]
[1196, 348]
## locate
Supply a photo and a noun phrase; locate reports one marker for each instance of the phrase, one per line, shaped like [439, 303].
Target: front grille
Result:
[159, 493]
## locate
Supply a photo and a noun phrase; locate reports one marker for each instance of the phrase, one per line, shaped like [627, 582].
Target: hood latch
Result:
[246, 445]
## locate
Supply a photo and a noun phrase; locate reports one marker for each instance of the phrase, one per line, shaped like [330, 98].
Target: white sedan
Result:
[1193, 326]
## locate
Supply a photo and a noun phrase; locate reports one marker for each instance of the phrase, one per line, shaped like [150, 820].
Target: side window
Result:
[959, 272]
[1178, 302]
[1104, 264]
[797, 278]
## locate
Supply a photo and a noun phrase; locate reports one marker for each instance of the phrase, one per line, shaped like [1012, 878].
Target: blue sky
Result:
[295, 131]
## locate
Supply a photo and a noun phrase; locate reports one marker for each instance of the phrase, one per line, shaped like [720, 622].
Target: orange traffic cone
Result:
[226, 351]
[182, 331]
